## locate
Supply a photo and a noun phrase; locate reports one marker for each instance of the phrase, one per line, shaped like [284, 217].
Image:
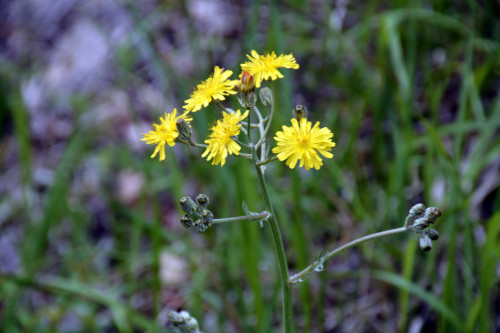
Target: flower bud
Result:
[299, 112]
[207, 217]
[433, 234]
[432, 214]
[247, 82]
[200, 225]
[421, 223]
[175, 317]
[183, 322]
[186, 221]
[425, 243]
[202, 200]
[188, 205]
[266, 96]
[192, 324]
[184, 130]
[417, 210]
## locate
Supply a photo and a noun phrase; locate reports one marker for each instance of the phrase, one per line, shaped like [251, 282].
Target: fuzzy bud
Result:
[417, 210]
[200, 225]
[432, 214]
[421, 223]
[202, 200]
[186, 221]
[188, 205]
[184, 130]
[299, 112]
[207, 217]
[425, 243]
[433, 234]
[183, 322]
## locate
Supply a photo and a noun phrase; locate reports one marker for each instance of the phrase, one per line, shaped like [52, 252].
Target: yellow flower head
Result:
[301, 142]
[165, 132]
[266, 66]
[220, 141]
[215, 87]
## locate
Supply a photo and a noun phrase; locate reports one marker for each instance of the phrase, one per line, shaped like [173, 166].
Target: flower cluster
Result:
[302, 142]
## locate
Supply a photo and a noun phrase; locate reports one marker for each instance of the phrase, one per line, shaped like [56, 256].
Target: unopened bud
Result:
[207, 216]
[184, 130]
[183, 322]
[433, 234]
[200, 225]
[175, 317]
[186, 221]
[202, 200]
[188, 205]
[432, 214]
[425, 243]
[192, 324]
[417, 210]
[421, 223]
[266, 96]
[247, 82]
[299, 112]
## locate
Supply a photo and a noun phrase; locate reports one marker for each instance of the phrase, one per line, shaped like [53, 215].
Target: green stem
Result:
[222, 107]
[279, 249]
[314, 266]
[243, 144]
[245, 155]
[262, 216]
[270, 159]
[268, 126]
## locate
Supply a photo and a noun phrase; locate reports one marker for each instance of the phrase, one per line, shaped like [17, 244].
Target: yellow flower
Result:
[165, 132]
[266, 66]
[220, 141]
[215, 87]
[301, 142]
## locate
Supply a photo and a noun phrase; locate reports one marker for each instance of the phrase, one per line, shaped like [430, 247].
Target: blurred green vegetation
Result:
[410, 90]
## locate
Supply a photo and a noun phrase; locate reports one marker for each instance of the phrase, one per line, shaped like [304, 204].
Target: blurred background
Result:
[90, 239]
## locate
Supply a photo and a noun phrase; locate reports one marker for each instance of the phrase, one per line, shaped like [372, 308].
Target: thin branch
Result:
[256, 217]
[244, 155]
[243, 144]
[270, 159]
[318, 263]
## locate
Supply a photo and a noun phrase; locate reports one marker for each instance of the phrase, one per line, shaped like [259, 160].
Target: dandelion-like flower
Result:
[303, 142]
[220, 141]
[266, 66]
[164, 133]
[215, 87]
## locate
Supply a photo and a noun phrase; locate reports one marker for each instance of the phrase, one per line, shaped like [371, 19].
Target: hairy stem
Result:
[270, 159]
[311, 268]
[255, 217]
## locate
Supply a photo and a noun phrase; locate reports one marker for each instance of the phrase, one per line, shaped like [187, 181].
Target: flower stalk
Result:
[255, 217]
[288, 324]
[319, 263]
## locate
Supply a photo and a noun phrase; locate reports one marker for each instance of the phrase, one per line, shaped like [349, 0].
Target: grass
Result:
[410, 91]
